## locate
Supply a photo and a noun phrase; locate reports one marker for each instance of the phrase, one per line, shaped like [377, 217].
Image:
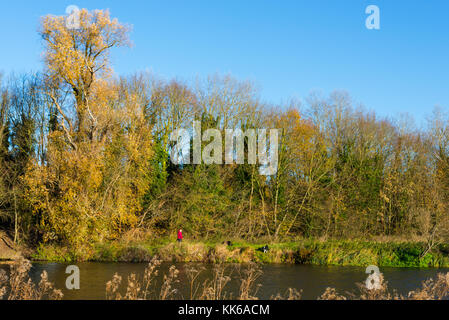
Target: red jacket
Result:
[179, 234]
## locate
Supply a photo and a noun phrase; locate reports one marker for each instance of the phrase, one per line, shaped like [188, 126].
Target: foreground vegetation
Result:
[85, 167]
[18, 286]
[344, 253]
[142, 287]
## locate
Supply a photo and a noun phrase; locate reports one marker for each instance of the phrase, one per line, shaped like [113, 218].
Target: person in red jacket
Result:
[179, 235]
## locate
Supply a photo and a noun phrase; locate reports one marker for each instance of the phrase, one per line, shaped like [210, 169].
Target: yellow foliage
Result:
[96, 175]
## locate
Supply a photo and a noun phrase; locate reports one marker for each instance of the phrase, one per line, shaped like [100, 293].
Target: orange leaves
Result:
[297, 128]
[299, 137]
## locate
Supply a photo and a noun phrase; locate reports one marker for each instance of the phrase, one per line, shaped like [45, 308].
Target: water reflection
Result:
[312, 280]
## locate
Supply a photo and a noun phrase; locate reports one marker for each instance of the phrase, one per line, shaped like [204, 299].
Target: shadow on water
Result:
[312, 280]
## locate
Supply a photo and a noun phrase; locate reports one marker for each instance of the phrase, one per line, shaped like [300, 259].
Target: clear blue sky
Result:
[289, 48]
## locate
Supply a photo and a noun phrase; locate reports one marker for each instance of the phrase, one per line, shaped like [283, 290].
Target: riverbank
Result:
[315, 252]
[8, 250]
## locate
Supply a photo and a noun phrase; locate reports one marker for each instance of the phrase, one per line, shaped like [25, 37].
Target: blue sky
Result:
[288, 48]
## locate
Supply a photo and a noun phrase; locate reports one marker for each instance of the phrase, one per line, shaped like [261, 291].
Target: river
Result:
[312, 280]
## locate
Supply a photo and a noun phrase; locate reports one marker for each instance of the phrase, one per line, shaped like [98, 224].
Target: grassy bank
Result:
[333, 252]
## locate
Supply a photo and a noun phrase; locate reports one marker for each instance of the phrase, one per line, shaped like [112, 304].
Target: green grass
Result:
[308, 251]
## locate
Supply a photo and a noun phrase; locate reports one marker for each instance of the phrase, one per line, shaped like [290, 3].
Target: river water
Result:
[312, 280]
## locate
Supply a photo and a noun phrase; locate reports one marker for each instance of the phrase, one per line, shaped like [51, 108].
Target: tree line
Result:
[85, 156]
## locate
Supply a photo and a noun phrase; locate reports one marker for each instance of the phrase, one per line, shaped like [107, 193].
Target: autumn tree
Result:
[98, 155]
[76, 58]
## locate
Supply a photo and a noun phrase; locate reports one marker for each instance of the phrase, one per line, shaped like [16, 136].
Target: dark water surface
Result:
[312, 280]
